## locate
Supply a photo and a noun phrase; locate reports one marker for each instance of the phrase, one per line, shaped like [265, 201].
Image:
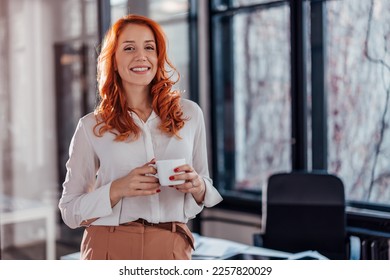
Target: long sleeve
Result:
[200, 164]
[80, 199]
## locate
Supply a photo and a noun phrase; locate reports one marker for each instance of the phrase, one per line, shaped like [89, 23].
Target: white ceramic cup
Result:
[165, 169]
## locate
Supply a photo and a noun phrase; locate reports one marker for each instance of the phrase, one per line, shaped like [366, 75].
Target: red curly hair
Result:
[112, 112]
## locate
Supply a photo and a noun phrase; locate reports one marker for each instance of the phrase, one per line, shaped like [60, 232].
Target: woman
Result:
[108, 188]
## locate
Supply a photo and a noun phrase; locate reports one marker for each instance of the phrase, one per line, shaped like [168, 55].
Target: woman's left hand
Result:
[194, 183]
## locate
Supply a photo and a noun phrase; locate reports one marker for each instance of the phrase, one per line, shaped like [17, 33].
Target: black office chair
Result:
[306, 211]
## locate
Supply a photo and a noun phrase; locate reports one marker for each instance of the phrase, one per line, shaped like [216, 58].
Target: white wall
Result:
[32, 98]
[32, 137]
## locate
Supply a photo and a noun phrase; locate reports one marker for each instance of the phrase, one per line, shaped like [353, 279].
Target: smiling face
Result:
[136, 56]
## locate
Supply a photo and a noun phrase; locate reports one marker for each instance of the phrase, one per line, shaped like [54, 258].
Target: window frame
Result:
[360, 216]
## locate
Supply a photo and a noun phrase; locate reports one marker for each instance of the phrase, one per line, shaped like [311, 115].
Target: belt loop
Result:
[173, 227]
[112, 229]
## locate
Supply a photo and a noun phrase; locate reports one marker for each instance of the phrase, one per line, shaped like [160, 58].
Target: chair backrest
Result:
[306, 211]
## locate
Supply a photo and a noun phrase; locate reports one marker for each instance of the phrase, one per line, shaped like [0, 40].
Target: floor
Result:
[37, 251]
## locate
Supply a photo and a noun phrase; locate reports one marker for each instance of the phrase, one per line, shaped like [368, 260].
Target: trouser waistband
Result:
[170, 226]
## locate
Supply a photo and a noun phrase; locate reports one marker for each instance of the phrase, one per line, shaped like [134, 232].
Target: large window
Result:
[346, 84]
[358, 82]
[252, 94]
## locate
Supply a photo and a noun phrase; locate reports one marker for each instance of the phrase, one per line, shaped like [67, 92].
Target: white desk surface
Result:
[15, 210]
[216, 248]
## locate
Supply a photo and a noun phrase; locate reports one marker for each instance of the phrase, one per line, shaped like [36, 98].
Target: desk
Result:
[16, 210]
[217, 248]
[209, 248]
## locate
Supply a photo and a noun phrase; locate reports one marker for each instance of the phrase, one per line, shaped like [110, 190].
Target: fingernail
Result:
[176, 169]
[171, 178]
[158, 191]
[170, 186]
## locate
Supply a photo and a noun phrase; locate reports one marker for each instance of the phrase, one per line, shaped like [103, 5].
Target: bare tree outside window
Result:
[262, 96]
[358, 78]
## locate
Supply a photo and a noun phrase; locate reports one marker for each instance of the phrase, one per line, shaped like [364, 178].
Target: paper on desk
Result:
[215, 248]
[253, 250]
[307, 255]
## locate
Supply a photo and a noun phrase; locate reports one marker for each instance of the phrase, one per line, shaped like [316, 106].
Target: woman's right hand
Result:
[136, 183]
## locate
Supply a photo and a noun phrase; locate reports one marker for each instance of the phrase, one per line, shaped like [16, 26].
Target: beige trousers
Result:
[135, 241]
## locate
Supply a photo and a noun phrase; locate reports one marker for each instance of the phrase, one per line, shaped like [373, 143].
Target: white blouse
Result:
[95, 162]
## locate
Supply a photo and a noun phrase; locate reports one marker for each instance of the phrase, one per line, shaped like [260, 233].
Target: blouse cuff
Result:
[96, 204]
[192, 208]
[212, 196]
